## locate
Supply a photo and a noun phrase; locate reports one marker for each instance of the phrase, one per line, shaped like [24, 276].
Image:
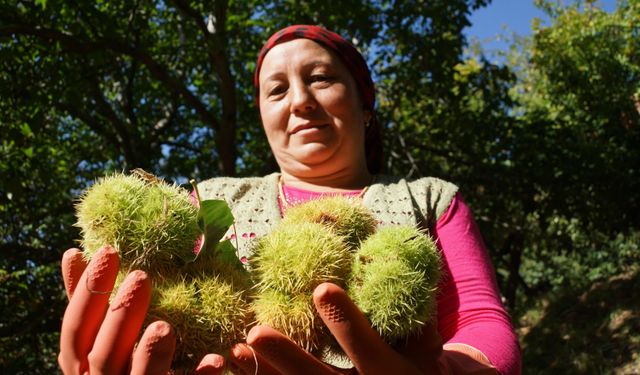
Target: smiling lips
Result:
[302, 128]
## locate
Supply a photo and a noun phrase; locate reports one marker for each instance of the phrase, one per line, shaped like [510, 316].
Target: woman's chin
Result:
[313, 153]
[312, 156]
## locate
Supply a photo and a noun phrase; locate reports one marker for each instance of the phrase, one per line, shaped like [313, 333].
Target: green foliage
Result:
[576, 136]
[591, 330]
[579, 103]
[574, 147]
[214, 219]
[574, 257]
[31, 300]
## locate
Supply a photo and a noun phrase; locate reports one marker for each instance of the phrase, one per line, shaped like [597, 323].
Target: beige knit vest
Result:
[393, 200]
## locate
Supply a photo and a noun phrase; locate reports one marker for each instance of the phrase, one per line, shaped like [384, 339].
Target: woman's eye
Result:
[319, 78]
[276, 90]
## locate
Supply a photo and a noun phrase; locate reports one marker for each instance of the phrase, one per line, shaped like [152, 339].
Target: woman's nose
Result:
[302, 99]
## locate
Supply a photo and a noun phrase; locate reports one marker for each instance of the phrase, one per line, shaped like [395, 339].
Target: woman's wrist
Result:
[465, 359]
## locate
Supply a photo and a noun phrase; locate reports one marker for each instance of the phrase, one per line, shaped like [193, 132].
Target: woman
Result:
[316, 102]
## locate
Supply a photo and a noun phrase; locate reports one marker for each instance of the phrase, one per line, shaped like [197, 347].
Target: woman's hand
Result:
[98, 337]
[274, 353]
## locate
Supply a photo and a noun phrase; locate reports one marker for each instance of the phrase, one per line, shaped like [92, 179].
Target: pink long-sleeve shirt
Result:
[469, 308]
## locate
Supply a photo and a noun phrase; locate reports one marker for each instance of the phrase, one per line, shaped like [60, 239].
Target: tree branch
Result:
[74, 44]
[128, 93]
[183, 145]
[170, 111]
[91, 121]
[124, 136]
[225, 135]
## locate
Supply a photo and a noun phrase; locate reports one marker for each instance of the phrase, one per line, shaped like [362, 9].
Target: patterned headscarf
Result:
[356, 65]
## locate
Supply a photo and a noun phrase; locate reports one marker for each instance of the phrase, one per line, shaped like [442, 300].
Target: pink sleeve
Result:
[469, 306]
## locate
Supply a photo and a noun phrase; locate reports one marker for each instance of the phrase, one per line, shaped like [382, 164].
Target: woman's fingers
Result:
[243, 360]
[155, 350]
[86, 310]
[73, 265]
[211, 364]
[115, 341]
[283, 354]
[361, 343]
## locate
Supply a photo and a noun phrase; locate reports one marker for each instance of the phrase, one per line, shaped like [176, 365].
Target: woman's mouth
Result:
[308, 128]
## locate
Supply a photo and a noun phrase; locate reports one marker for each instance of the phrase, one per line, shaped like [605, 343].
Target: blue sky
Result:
[512, 15]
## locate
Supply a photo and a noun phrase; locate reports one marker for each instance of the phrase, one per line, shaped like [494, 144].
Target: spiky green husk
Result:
[154, 227]
[152, 224]
[293, 315]
[289, 263]
[209, 263]
[394, 280]
[209, 315]
[345, 216]
[297, 257]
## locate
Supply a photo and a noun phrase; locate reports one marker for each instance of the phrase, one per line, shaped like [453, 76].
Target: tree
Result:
[575, 145]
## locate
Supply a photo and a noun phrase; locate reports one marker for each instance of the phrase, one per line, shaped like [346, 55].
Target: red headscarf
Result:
[356, 65]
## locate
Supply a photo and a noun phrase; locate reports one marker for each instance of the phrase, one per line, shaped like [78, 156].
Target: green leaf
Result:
[26, 130]
[214, 219]
[227, 253]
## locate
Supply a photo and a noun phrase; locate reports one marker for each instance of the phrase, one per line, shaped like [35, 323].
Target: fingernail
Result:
[100, 272]
[130, 287]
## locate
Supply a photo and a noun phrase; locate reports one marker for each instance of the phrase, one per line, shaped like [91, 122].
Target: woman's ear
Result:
[368, 116]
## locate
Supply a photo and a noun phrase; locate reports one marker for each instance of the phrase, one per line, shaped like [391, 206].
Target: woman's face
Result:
[311, 110]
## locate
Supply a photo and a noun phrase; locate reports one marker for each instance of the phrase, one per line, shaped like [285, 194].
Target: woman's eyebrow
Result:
[311, 64]
[315, 63]
[273, 76]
